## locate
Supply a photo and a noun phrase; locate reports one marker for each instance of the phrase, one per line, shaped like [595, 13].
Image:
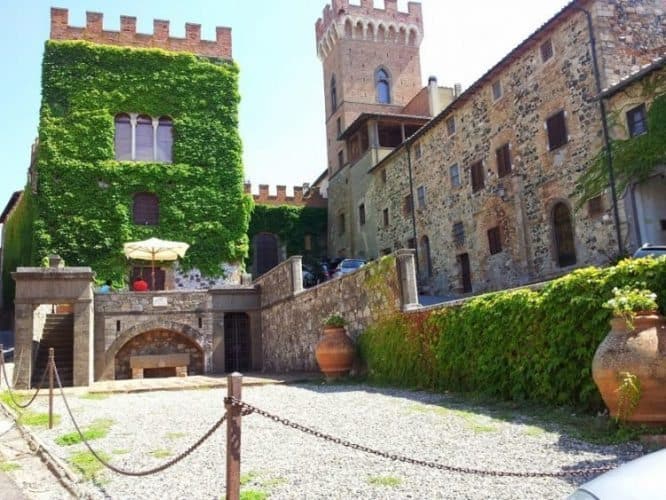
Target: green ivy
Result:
[634, 159]
[291, 224]
[83, 204]
[515, 345]
[17, 243]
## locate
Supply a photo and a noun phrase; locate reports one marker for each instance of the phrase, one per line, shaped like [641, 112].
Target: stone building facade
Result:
[484, 190]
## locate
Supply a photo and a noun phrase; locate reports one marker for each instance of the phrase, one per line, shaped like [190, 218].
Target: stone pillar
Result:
[83, 343]
[23, 319]
[407, 275]
[296, 273]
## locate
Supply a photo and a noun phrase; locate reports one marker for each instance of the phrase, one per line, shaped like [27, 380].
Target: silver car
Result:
[642, 479]
[347, 266]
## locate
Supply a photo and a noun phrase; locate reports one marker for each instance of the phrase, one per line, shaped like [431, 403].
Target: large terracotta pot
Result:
[335, 352]
[641, 351]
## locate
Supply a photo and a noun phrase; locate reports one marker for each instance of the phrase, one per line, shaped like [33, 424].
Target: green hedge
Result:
[83, 204]
[518, 345]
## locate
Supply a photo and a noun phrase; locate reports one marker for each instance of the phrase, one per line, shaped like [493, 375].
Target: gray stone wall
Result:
[292, 327]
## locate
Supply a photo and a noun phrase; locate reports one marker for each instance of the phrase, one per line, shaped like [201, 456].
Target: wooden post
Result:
[234, 384]
[50, 367]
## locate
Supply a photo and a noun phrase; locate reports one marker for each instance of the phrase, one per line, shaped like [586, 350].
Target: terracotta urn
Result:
[640, 350]
[335, 352]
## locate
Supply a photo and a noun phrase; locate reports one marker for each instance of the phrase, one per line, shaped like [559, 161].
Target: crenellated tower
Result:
[371, 63]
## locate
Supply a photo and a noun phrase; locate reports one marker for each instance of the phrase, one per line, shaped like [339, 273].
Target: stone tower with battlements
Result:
[370, 60]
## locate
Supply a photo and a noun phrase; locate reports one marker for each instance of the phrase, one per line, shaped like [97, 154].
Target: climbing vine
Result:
[633, 159]
[83, 201]
[292, 224]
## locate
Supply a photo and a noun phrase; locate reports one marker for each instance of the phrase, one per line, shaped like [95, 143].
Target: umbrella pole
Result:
[153, 273]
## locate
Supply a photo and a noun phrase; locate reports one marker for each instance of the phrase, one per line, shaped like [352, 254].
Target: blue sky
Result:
[281, 113]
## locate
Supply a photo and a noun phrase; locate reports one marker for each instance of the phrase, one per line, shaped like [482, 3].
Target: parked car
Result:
[347, 266]
[648, 250]
[641, 478]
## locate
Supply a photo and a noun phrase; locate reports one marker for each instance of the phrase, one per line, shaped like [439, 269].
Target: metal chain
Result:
[22, 406]
[146, 472]
[400, 458]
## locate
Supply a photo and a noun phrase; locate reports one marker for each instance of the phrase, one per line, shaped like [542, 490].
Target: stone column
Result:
[296, 273]
[23, 319]
[407, 275]
[83, 343]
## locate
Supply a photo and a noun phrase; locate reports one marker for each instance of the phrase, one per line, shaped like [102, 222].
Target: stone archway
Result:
[158, 342]
[161, 330]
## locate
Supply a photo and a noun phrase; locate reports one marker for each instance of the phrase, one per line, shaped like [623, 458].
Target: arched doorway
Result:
[565, 248]
[237, 346]
[265, 252]
[159, 341]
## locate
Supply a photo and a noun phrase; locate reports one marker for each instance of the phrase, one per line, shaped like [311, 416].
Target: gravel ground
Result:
[285, 463]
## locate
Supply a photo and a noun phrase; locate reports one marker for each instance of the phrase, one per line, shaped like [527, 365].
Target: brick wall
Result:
[128, 37]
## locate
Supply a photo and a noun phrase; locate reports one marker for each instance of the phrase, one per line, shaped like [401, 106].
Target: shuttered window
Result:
[123, 137]
[557, 131]
[146, 210]
[494, 241]
[503, 155]
[477, 176]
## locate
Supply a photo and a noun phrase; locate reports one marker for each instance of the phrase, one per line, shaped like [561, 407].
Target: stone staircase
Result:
[59, 334]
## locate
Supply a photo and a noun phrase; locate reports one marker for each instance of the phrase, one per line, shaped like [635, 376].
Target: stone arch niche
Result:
[154, 338]
[53, 285]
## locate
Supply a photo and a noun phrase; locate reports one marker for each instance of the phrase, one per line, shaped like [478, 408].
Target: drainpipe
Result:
[604, 124]
[411, 192]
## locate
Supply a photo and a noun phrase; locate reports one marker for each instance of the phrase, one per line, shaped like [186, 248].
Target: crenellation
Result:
[127, 28]
[160, 29]
[94, 22]
[340, 12]
[302, 195]
[94, 32]
[193, 32]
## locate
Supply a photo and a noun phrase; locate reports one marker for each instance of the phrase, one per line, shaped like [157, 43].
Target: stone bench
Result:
[142, 362]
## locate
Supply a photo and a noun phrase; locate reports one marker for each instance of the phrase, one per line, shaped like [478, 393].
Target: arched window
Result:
[334, 94]
[427, 258]
[383, 86]
[564, 235]
[144, 139]
[146, 210]
[123, 137]
[164, 139]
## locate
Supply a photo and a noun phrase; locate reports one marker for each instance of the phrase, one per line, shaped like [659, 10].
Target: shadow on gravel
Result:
[577, 431]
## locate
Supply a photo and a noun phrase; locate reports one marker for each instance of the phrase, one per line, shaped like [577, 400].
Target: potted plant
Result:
[335, 351]
[634, 349]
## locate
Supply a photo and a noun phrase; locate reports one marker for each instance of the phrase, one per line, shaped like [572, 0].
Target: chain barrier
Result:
[400, 458]
[22, 406]
[146, 472]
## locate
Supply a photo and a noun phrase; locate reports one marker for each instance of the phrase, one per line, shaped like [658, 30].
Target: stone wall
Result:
[292, 325]
[119, 317]
[158, 341]
[630, 34]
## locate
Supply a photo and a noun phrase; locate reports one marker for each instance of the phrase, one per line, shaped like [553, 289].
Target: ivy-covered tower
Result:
[138, 137]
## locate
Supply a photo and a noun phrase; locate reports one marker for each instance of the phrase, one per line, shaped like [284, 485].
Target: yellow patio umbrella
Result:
[154, 249]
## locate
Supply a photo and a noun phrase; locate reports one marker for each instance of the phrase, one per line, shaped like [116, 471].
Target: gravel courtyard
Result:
[282, 463]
